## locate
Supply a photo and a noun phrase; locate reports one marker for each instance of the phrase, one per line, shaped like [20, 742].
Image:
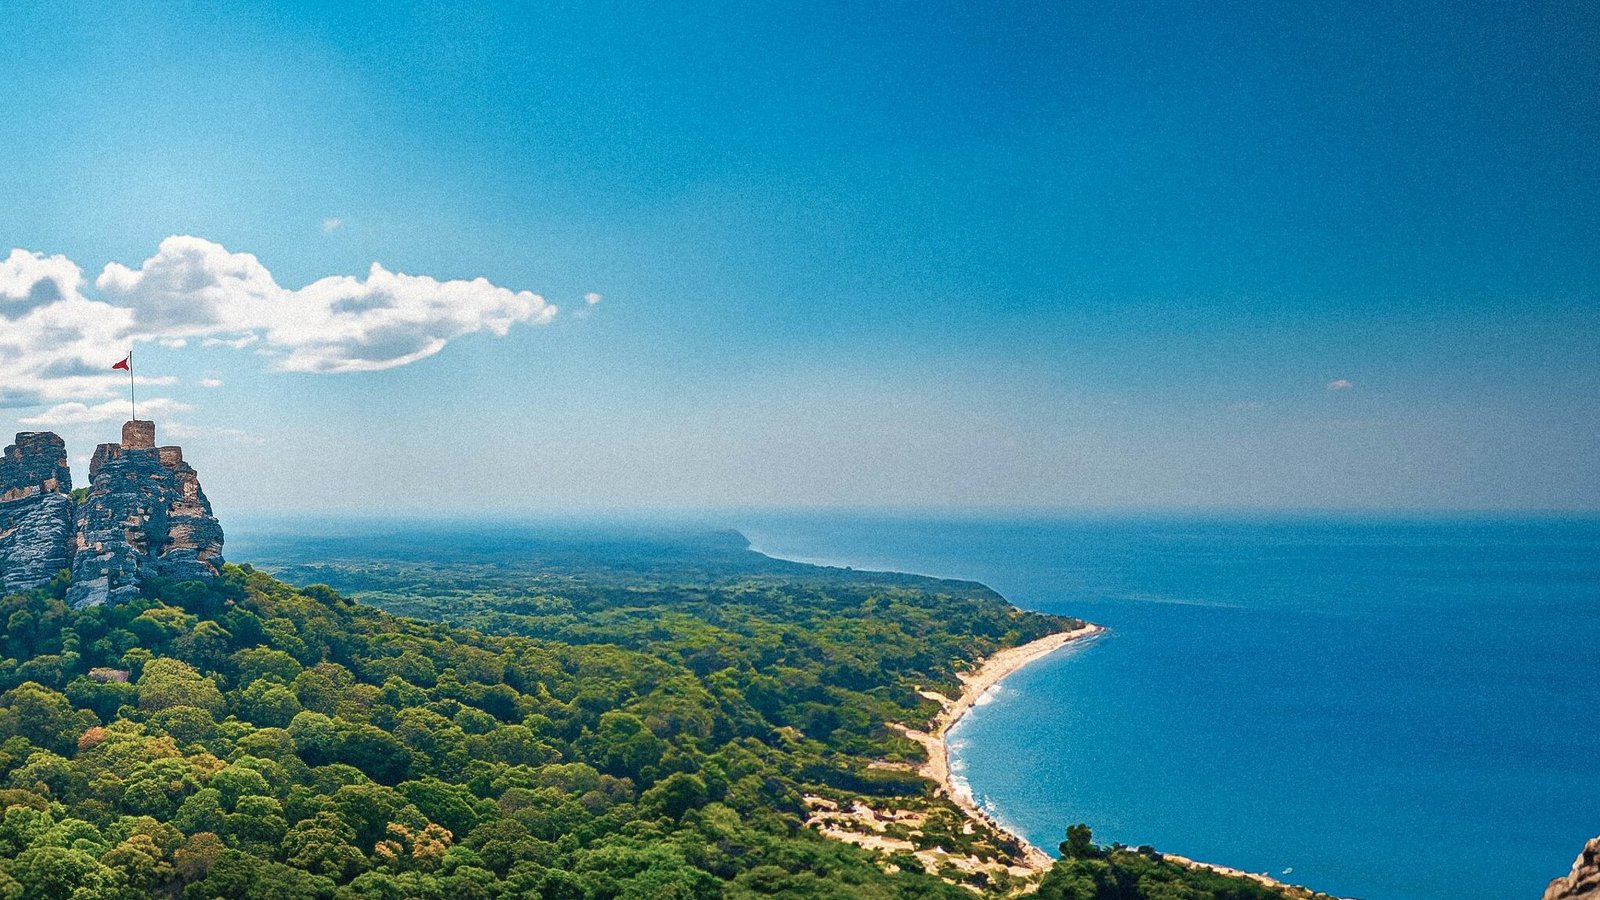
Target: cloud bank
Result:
[57, 342]
[109, 411]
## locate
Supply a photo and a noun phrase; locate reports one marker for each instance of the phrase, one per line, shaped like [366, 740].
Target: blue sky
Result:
[863, 254]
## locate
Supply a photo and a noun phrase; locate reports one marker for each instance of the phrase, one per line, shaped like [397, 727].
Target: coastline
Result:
[990, 671]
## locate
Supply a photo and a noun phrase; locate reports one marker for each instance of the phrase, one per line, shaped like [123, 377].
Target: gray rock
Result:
[91, 592]
[36, 515]
[41, 545]
[35, 464]
[146, 516]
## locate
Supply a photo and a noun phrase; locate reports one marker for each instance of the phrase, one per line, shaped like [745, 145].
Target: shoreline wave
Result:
[976, 686]
[984, 682]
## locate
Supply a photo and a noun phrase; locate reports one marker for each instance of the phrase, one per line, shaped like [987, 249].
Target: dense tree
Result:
[322, 845]
[1079, 843]
[43, 716]
[168, 682]
[614, 734]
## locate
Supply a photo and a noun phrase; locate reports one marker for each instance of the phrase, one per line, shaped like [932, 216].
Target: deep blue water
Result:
[1394, 710]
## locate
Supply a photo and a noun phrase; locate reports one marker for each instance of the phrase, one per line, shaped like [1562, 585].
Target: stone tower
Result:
[145, 516]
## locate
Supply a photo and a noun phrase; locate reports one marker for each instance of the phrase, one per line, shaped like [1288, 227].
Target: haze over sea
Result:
[1398, 709]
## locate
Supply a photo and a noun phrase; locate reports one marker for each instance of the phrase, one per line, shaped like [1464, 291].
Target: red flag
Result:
[123, 364]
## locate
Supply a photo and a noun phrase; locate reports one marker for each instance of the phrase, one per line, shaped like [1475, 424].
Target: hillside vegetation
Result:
[648, 729]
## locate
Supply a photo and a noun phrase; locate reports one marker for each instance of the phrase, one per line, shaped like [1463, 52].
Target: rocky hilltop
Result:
[1583, 882]
[36, 511]
[144, 516]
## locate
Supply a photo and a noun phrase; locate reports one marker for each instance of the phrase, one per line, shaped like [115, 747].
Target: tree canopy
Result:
[611, 734]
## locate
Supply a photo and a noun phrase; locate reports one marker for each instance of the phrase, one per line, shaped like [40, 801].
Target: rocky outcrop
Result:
[145, 516]
[1583, 882]
[36, 513]
[35, 464]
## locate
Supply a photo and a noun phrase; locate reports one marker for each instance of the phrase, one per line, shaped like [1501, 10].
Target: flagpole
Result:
[133, 406]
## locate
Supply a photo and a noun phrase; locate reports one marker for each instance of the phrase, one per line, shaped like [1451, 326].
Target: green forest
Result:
[627, 721]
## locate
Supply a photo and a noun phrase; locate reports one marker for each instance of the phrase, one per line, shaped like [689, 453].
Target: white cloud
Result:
[592, 298]
[57, 343]
[332, 224]
[31, 280]
[211, 382]
[337, 324]
[109, 411]
[238, 343]
[1340, 384]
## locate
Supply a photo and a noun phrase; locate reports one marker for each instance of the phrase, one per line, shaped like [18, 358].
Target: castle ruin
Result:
[144, 516]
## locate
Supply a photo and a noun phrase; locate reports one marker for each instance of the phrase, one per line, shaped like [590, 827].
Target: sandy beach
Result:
[975, 683]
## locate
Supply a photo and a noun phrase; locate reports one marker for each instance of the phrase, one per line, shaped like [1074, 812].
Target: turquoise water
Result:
[1393, 710]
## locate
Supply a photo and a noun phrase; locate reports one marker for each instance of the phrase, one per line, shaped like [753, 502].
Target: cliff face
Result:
[35, 464]
[145, 516]
[1583, 882]
[36, 514]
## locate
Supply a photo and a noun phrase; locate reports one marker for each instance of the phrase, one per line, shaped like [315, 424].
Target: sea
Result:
[1379, 708]
[1382, 708]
